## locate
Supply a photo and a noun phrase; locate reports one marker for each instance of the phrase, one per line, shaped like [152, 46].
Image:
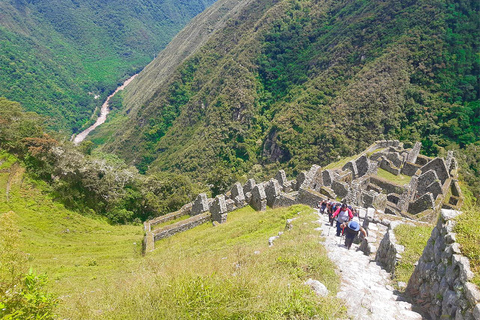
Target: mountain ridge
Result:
[291, 83]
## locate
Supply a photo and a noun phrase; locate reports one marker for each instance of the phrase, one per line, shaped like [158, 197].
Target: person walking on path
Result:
[343, 214]
[351, 230]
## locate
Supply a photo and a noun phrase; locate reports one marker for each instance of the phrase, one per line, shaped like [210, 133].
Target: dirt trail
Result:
[12, 172]
[103, 114]
[365, 287]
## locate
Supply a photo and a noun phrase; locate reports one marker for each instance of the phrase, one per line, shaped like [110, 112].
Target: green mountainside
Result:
[56, 55]
[290, 83]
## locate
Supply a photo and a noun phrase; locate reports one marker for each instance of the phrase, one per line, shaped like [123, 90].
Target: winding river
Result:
[103, 114]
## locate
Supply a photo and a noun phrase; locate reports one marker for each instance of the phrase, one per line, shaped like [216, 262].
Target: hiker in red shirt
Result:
[343, 214]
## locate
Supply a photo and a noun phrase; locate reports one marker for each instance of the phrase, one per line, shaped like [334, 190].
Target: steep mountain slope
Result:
[290, 83]
[53, 53]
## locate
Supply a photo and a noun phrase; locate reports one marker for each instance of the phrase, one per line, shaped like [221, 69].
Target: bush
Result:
[27, 299]
[22, 294]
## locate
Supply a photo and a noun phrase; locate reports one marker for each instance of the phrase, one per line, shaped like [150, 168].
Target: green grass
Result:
[400, 179]
[414, 239]
[468, 237]
[340, 163]
[225, 272]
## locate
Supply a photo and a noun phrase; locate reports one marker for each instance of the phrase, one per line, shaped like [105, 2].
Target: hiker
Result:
[351, 230]
[323, 206]
[343, 214]
[330, 212]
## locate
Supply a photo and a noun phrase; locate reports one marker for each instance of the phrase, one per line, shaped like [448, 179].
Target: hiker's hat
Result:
[354, 225]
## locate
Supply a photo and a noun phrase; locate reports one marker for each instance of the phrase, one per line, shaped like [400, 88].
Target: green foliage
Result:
[312, 83]
[22, 294]
[84, 180]
[220, 180]
[469, 161]
[55, 56]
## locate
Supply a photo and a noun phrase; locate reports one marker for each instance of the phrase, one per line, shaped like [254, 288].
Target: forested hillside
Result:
[55, 56]
[290, 83]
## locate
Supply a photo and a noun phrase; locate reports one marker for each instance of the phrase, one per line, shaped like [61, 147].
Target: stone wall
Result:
[184, 225]
[185, 210]
[389, 252]
[356, 183]
[440, 283]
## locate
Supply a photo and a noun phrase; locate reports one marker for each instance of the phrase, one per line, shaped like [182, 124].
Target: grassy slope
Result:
[467, 229]
[414, 238]
[224, 272]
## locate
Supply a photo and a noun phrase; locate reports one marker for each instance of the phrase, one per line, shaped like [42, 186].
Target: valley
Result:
[192, 191]
[103, 114]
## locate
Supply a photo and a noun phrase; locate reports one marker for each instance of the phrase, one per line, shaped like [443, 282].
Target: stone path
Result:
[365, 287]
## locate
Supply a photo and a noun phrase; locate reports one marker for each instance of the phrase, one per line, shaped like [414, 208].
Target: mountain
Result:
[289, 83]
[56, 56]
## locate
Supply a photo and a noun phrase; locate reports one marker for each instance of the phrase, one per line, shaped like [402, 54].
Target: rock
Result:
[318, 287]
[472, 293]
[271, 240]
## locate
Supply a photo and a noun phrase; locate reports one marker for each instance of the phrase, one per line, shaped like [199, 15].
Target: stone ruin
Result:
[433, 184]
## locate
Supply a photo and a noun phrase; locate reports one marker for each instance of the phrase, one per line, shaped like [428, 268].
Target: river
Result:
[103, 114]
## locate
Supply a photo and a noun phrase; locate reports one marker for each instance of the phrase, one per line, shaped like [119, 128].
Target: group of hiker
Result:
[346, 218]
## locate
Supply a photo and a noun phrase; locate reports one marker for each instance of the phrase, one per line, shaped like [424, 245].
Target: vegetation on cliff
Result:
[55, 56]
[290, 83]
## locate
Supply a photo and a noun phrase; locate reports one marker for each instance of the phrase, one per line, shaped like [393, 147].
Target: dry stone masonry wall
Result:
[441, 283]
[432, 181]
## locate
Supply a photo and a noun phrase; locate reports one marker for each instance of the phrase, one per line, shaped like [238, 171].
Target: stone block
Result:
[218, 208]
[248, 197]
[230, 205]
[409, 169]
[449, 214]
[340, 188]
[327, 177]
[380, 202]
[437, 165]
[472, 293]
[248, 186]
[328, 192]
[388, 166]
[367, 198]
[237, 195]
[272, 191]
[423, 203]
[435, 189]
[281, 177]
[259, 199]
[424, 180]
[395, 159]
[352, 167]
[285, 200]
[413, 154]
[309, 197]
[200, 205]
[362, 165]
[317, 179]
